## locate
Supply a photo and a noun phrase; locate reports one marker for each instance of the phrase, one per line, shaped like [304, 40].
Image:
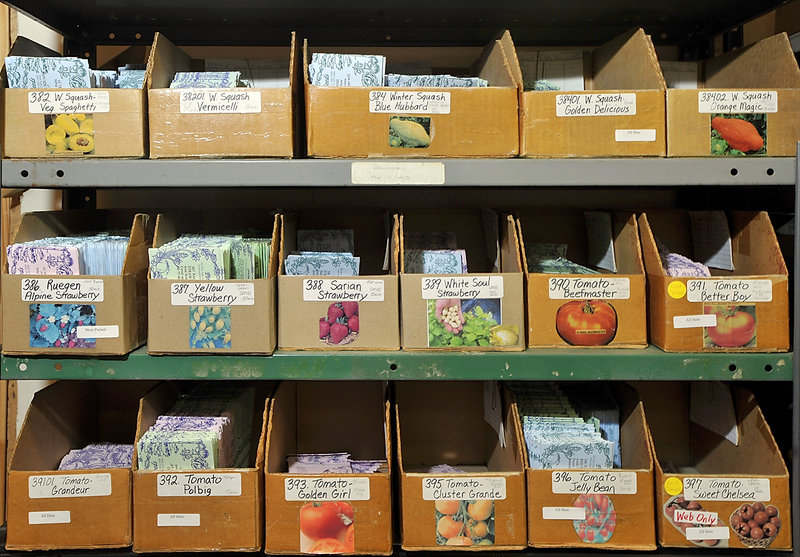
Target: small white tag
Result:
[596, 104]
[68, 102]
[462, 287]
[199, 485]
[588, 288]
[564, 513]
[69, 485]
[731, 291]
[170, 519]
[463, 487]
[409, 102]
[326, 488]
[342, 290]
[695, 517]
[610, 483]
[98, 331]
[694, 321]
[737, 102]
[213, 293]
[634, 135]
[397, 173]
[708, 533]
[220, 101]
[49, 517]
[726, 489]
[62, 290]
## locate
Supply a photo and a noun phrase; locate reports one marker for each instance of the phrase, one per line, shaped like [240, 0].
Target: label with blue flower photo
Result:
[59, 325]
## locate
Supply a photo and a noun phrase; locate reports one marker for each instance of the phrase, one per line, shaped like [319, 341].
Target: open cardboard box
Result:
[446, 423]
[70, 509]
[620, 114]
[169, 516]
[742, 310]
[119, 115]
[694, 464]
[759, 83]
[238, 122]
[493, 285]
[462, 122]
[557, 304]
[118, 303]
[322, 417]
[304, 300]
[251, 302]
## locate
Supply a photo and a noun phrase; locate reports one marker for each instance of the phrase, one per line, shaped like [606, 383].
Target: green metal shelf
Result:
[539, 364]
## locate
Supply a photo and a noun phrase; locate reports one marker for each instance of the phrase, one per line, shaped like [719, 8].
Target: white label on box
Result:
[68, 102]
[342, 290]
[409, 102]
[729, 291]
[397, 173]
[596, 104]
[200, 484]
[463, 487]
[220, 101]
[737, 102]
[326, 488]
[172, 519]
[695, 517]
[694, 321]
[567, 288]
[62, 290]
[49, 517]
[98, 331]
[563, 513]
[69, 485]
[635, 135]
[610, 483]
[462, 287]
[708, 533]
[213, 293]
[726, 489]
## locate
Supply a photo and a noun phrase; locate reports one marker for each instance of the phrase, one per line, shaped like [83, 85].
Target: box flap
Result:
[24, 46]
[755, 246]
[494, 65]
[627, 62]
[767, 63]
[165, 59]
[137, 54]
[510, 51]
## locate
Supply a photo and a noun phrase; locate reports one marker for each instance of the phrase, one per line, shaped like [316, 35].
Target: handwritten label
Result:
[337, 290]
[68, 102]
[397, 173]
[695, 517]
[97, 331]
[708, 533]
[567, 288]
[213, 293]
[596, 104]
[172, 519]
[563, 513]
[69, 485]
[726, 489]
[215, 101]
[410, 102]
[611, 483]
[694, 321]
[463, 487]
[634, 135]
[49, 517]
[731, 291]
[58, 290]
[326, 489]
[737, 102]
[462, 287]
[199, 485]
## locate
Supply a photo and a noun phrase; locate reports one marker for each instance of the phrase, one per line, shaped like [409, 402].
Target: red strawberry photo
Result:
[340, 326]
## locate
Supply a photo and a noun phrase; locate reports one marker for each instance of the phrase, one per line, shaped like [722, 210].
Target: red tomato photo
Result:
[327, 527]
[587, 322]
[736, 326]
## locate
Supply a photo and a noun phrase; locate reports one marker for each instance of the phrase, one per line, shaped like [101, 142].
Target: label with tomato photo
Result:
[735, 328]
[327, 527]
[586, 322]
[465, 522]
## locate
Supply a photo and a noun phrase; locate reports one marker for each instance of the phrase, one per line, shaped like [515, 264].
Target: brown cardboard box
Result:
[494, 283]
[445, 423]
[625, 491]
[760, 83]
[260, 125]
[321, 417]
[693, 464]
[557, 304]
[750, 316]
[472, 122]
[118, 302]
[166, 521]
[304, 300]
[253, 326]
[620, 114]
[118, 116]
[69, 509]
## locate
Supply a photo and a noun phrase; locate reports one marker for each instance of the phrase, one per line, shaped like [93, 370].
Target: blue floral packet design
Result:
[57, 325]
[43, 72]
[209, 327]
[210, 80]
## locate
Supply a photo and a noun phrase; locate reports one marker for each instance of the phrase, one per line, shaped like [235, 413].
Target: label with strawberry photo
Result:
[735, 326]
[327, 527]
[340, 325]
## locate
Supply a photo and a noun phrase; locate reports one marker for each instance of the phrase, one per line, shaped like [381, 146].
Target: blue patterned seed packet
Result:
[208, 80]
[347, 70]
[435, 262]
[322, 264]
[98, 456]
[42, 72]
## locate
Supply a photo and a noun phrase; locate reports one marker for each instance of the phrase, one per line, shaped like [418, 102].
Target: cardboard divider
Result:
[118, 303]
[301, 509]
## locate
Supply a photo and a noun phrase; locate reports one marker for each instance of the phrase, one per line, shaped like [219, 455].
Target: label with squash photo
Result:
[468, 322]
[735, 328]
[410, 131]
[738, 134]
[327, 527]
[464, 523]
[69, 134]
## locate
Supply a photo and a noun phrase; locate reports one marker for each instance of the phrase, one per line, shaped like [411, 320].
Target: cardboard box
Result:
[304, 300]
[620, 114]
[625, 493]
[118, 115]
[759, 83]
[694, 464]
[446, 423]
[322, 417]
[70, 509]
[462, 122]
[169, 516]
[119, 303]
[493, 285]
[606, 310]
[252, 302]
[250, 122]
[681, 309]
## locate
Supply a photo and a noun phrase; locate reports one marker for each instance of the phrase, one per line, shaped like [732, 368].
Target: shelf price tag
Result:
[199, 485]
[463, 488]
[68, 102]
[59, 290]
[737, 102]
[326, 489]
[342, 290]
[397, 173]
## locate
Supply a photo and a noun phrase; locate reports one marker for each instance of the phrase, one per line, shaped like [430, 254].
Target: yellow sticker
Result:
[673, 485]
[676, 289]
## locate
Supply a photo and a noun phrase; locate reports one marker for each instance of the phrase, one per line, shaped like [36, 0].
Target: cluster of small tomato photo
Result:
[468, 522]
[327, 527]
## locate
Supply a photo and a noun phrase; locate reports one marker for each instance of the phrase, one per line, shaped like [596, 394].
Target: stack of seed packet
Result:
[99, 254]
[43, 72]
[207, 80]
[400, 80]
[677, 265]
[333, 463]
[209, 257]
[432, 253]
[98, 456]
[325, 252]
[347, 70]
[552, 258]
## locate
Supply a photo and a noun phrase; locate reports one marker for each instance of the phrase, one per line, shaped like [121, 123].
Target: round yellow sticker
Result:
[676, 289]
[673, 485]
